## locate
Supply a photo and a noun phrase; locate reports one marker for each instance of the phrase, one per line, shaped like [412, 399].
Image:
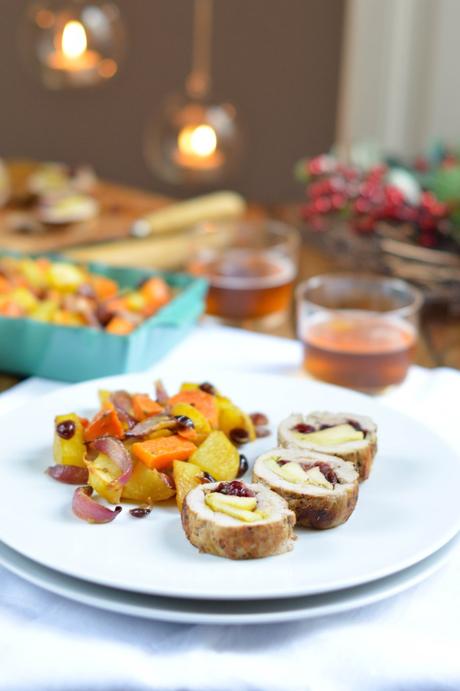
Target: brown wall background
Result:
[277, 60]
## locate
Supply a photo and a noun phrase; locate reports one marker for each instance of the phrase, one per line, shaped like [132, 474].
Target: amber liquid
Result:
[247, 286]
[358, 351]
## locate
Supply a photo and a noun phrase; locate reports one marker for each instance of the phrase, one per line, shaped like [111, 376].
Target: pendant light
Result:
[194, 139]
[73, 43]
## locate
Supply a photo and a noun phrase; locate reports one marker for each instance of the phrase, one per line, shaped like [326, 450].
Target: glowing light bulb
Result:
[198, 141]
[74, 41]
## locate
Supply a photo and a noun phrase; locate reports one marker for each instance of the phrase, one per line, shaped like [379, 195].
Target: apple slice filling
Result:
[330, 435]
[235, 500]
[318, 474]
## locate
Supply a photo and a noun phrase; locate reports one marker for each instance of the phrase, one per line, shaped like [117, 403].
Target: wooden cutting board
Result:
[120, 206]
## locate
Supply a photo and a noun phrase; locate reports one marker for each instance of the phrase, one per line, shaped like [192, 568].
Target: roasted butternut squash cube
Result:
[160, 453]
[202, 401]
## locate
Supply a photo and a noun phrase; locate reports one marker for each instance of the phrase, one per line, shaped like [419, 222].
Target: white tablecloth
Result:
[411, 641]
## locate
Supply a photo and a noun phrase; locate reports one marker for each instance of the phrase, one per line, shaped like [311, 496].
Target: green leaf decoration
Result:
[301, 173]
[445, 184]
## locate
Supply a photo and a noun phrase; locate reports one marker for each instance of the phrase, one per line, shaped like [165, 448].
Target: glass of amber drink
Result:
[250, 266]
[358, 331]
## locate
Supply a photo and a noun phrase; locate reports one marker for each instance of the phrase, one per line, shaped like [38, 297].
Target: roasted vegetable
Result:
[217, 456]
[231, 418]
[103, 474]
[144, 406]
[105, 424]
[147, 485]
[142, 450]
[202, 401]
[69, 295]
[69, 443]
[160, 453]
[200, 422]
[187, 476]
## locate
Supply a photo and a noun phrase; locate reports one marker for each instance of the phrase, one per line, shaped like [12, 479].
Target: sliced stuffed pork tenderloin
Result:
[322, 490]
[238, 520]
[346, 435]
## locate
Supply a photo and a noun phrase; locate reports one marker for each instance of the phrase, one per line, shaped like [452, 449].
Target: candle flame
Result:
[74, 42]
[198, 140]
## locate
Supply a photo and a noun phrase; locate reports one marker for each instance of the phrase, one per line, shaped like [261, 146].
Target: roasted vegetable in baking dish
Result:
[63, 293]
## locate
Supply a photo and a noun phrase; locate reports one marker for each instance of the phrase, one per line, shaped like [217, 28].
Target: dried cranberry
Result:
[234, 488]
[207, 478]
[66, 429]
[328, 472]
[325, 427]
[139, 512]
[239, 435]
[103, 315]
[208, 388]
[184, 421]
[356, 426]
[303, 428]
[325, 469]
[259, 419]
[262, 432]
[244, 465]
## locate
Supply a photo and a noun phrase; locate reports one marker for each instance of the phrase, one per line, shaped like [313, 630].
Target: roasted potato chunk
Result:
[231, 417]
[69, 444]
[147, 486]
[200, 422]
[103, 474]
[217, 456]
[187, 476]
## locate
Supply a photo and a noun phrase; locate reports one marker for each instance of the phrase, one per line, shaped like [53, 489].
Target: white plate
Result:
[182, 611]
[407, 510]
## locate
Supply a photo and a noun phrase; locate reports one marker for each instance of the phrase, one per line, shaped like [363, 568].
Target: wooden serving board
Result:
[120, 206]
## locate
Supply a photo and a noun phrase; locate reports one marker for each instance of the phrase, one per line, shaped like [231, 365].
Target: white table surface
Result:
[412, 641]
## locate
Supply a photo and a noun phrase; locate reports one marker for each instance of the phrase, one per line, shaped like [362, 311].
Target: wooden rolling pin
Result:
[151, 247]
[180, 215]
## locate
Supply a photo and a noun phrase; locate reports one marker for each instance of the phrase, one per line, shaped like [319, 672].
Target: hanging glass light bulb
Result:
[73, 43]
[193, 139]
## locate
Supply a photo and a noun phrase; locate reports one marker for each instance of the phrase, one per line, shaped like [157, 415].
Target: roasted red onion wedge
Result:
[69, 474]
[114, 449]
[153, 424]
[161, 393]
[124, 407]
[89, 510]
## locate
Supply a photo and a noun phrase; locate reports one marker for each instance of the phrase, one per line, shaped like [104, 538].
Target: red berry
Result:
[338, 201]
[428, 239]
[362, 206]
[322, 205]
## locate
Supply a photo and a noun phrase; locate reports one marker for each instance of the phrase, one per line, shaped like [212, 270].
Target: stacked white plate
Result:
[403, 528]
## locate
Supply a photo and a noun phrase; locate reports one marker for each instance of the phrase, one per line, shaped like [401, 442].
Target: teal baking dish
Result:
[73, 354]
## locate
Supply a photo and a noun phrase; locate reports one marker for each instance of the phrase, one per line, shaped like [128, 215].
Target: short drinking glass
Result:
[250, 265]
[358, 331]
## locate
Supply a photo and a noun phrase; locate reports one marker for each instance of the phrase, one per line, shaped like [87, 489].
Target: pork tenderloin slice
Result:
[360, 453]
[219, 534]
[315, 507]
